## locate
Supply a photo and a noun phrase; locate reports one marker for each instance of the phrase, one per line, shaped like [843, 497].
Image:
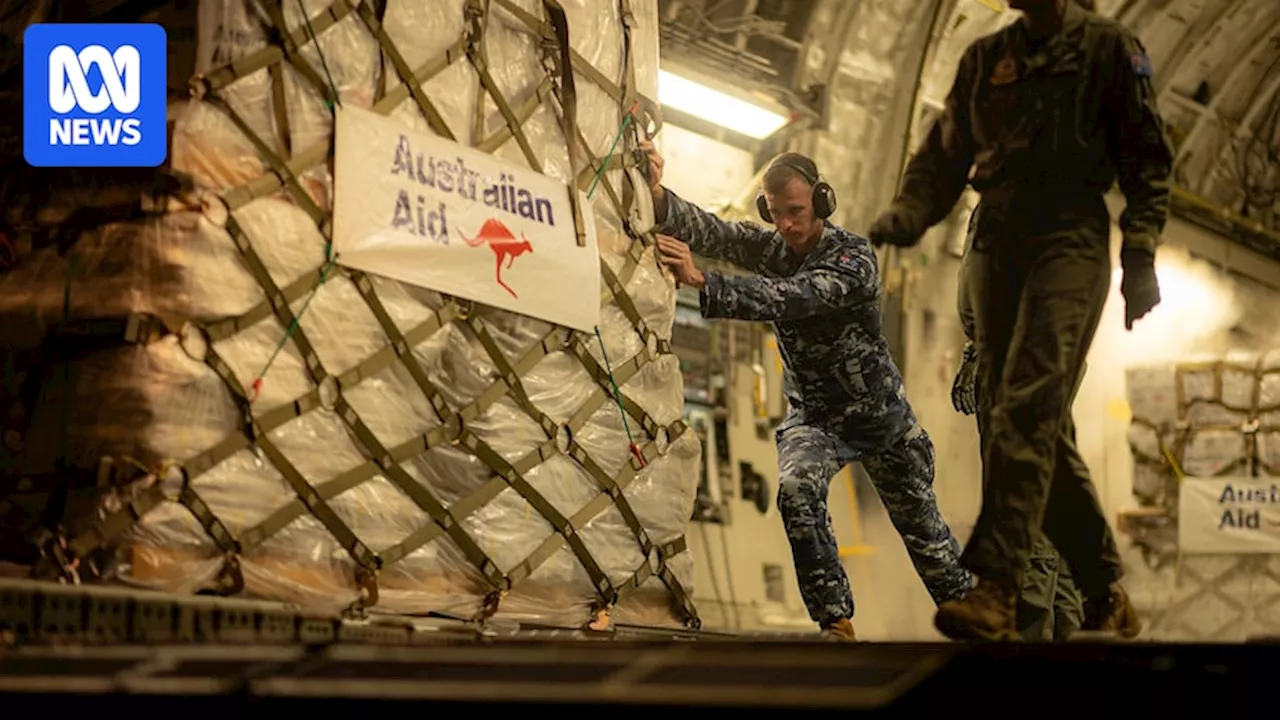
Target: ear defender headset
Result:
[823, 196]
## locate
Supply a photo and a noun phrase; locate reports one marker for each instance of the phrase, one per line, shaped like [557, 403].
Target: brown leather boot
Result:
[989, 612]
[1115, 614]
[840, 631]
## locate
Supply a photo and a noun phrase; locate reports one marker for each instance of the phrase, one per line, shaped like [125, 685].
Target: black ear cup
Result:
[824, 200]
[763, 208]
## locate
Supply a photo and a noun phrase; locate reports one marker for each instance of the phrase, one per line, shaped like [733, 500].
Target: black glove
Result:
[1138, 285]
[897, 226]
[964, 389]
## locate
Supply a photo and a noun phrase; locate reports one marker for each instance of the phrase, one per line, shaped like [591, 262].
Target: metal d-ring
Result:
[194, 341]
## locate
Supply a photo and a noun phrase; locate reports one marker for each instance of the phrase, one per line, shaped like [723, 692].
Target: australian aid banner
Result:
[427, 211]
[1229, 515]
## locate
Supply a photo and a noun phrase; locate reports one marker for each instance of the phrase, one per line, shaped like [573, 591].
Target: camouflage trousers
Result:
[809, 456]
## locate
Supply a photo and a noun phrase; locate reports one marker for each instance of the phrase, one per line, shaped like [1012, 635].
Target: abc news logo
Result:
[69, 90]
[95, 95]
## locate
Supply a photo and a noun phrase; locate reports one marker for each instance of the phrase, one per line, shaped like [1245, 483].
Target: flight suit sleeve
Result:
[747, 245]
[1143, 154]
[964, 299]
[939, 170]
[850, 280]
[964, 303]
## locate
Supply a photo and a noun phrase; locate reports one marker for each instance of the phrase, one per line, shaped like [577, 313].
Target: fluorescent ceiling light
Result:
[717, 107]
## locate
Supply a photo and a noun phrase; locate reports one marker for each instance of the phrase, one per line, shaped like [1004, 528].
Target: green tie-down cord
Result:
[617, 394]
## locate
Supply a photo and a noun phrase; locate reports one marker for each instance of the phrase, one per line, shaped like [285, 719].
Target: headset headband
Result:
[794, 164]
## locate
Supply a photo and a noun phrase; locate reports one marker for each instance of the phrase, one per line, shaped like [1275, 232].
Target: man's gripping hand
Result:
[652, 173]
[677, 256]
[964, 389]
[1138, 285]
[897, 226]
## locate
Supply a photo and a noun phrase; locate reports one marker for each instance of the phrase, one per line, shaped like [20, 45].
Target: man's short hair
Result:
[787, 166]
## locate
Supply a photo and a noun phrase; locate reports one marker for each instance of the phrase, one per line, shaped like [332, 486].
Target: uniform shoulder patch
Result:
[1140, 63]
[849, 259]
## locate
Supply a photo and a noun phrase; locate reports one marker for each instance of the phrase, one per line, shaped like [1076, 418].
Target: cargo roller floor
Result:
[69, 648]
[902, 680]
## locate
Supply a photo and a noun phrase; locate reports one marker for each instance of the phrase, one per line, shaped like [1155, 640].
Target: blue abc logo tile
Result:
[94, 95]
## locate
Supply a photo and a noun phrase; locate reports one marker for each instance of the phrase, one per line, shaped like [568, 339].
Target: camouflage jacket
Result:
[1074, 111]
[824, 308]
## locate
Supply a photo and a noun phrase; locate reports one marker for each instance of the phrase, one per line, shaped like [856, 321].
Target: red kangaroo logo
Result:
[503, 244]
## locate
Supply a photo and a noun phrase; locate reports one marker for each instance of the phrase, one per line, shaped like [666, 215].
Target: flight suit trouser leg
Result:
[1072, 465]
[1036, 618]
[1049, 606]
[1068, 604]
[1035, 321]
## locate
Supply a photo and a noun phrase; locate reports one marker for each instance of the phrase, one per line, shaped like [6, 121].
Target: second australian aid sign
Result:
[427, 211]
[1229, 515]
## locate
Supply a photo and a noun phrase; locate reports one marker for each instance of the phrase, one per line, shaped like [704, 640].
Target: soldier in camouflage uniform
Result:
[1049, 604]
[820, 288]
[1043, 117]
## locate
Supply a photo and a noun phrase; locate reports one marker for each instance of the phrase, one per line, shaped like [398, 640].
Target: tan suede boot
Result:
[1116, 615]
[989, 612]
[840, 631]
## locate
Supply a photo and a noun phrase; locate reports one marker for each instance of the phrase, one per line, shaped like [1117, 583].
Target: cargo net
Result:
[340, 440]
[1203, 419]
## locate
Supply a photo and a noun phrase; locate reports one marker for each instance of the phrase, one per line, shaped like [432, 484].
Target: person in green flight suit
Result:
[1050, 607]
[1043, 118]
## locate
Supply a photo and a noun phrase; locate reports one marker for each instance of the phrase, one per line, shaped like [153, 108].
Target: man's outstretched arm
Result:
[747, 245]
[850, 281]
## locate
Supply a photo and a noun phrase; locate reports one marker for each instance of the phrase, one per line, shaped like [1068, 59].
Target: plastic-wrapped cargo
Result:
[1201, 417]
[398, 448]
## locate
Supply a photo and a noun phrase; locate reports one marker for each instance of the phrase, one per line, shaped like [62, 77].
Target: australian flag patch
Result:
[1141, 64]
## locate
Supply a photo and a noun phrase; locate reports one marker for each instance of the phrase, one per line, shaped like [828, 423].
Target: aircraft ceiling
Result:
[1217, 71]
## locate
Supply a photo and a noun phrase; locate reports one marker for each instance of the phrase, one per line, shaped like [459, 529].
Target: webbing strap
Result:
[111, 526]
[288, 179]
[632, 408]
[380, 12]
[409, 82]
[279, 32]
[480, 62]
[272, 54]
[628, 94]
[577, 62]
[522, 114]
[625, 303]
[403, 349]
[219, 330]
[280, 107]
[561, 65]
